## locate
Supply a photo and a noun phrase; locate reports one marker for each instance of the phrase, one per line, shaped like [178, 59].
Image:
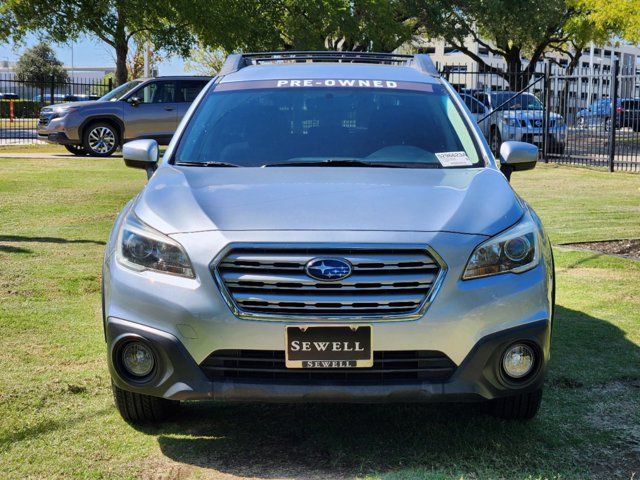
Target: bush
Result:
[21, 108]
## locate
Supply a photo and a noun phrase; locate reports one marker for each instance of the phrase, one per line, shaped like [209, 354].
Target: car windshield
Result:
[120, 91]
[515, 101]
[406, 125]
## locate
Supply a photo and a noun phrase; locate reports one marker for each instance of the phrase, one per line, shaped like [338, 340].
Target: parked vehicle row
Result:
[599, 114]
[144, 108]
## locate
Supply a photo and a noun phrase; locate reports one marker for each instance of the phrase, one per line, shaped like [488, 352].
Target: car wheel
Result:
[76, 150]
[101, 139]
[524, 406]
[556, 148]
[495, 141]
[582, 123]
[138, 408]
[607, 125]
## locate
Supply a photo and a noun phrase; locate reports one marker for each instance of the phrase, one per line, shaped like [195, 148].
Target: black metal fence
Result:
[588, 117]
[21, 101]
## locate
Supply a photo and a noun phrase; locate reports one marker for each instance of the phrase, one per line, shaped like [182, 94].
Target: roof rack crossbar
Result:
[420, 62]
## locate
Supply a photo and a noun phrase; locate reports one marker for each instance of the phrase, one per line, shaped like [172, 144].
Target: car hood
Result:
[85, 103]
[187, 199]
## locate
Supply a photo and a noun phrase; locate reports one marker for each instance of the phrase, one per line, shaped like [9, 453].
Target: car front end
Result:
[60, 124]
[320, 247]
[525, 126]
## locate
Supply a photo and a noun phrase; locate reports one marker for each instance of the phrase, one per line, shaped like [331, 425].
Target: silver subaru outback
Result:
[328, 227]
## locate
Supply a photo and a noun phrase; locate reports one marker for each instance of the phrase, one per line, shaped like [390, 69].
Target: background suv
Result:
[506, 115]
[137, 109]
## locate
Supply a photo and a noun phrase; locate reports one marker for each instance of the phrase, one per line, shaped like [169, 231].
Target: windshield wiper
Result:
[334, 162]
[206, 164]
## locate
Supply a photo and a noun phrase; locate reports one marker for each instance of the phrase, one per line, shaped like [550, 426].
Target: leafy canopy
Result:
[39, 66]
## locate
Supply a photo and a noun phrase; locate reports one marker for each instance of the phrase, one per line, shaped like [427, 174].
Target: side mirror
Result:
[517, 156]
[141, 154]
[135, 101]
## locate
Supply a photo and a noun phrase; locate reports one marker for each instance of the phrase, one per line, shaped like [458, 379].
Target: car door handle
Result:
[169, 109]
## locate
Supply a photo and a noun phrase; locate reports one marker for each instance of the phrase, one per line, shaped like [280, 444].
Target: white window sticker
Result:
[453, 159]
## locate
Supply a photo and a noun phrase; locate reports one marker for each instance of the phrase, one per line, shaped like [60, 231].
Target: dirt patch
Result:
[625, 248]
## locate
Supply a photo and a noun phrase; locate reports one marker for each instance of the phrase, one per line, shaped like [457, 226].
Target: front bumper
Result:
[179, 377]
[187, 320]
[59, 138]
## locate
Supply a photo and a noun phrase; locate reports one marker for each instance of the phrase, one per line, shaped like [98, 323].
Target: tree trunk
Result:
[122, 49]
[121, 64]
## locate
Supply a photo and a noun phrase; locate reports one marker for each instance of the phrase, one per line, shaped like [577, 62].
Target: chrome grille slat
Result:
[272, 281]
[317, 298]
[235, 279]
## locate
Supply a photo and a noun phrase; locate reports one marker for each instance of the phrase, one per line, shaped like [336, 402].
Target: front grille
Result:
[388, 367]
[273, 281]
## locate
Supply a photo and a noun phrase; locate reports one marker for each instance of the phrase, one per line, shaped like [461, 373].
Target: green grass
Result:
[57, 419]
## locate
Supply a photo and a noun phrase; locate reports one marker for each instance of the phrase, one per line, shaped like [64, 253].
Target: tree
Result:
[135, 59]
[205, 61]
[115, 22]
[514, 30]
[623, 16]
[39, 67]
[250, 25]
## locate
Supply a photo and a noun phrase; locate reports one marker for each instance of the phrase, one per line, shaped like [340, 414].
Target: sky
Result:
[87, 52]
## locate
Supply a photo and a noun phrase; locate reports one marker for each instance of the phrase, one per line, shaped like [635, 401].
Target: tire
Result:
[495, 141]
[607, 124]
[136, 408]
[582, 123]
[556, 148]
[101, 139]
[524, 406]
[77, 150]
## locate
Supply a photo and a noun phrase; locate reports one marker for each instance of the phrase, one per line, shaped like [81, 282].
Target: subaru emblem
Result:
[328, 269]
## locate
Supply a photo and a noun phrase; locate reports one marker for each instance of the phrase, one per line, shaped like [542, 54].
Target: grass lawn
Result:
[57, 418]
[30, 147]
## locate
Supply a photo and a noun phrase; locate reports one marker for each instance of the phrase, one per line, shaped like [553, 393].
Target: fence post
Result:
[110, 83]
[53, 89]
[614, 114]
[547, 106]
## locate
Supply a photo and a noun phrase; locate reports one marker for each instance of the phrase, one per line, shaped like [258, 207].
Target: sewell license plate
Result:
[331, 346]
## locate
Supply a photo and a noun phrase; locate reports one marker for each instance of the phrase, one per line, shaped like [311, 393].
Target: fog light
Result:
[138, 359]
[518, 360]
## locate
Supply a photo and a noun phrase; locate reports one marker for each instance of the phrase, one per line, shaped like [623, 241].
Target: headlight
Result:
[62, 111]
[516, 250]
[140, 247]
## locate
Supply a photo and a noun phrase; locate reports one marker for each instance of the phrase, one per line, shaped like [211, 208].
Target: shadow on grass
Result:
[18, 238]
[268, 441]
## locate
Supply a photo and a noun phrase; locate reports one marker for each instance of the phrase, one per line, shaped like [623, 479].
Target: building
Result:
[590, 81]
[76, 74]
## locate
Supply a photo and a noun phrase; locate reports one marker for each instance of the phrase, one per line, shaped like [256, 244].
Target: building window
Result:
[585, 64]
[596, 51]
[427, 50]
[483, 51]
[449, 49]
[607, 53]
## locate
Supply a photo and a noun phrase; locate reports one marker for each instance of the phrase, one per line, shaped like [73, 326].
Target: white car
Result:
[506, 115]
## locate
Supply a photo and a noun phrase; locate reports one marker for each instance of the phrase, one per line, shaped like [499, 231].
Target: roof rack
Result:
[420, 62]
